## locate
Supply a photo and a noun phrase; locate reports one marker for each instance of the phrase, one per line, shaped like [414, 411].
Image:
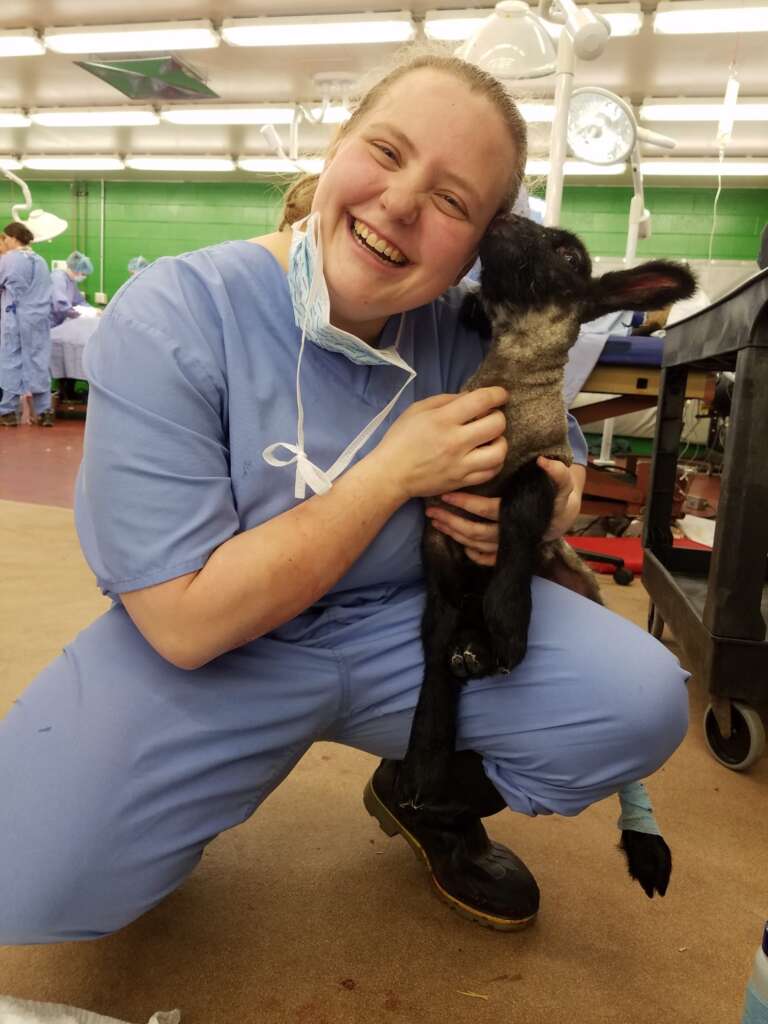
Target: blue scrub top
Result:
[192, 373]
[25, 339]
[66, 296]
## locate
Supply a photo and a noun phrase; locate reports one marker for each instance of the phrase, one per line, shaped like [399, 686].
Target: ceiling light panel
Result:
[105, 118]
[701, 110]
[180, 163]
[20, 43]
[228, 115]
[73, 163]
[698, 17]
[145, 38]
[13, 119]
[331, 29]
[9, 163]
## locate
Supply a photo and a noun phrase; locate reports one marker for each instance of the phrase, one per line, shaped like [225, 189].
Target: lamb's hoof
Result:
[649, 860]
[470, 658]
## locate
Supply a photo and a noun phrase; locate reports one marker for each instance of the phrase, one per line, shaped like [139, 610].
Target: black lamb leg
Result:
[649, 860]
[527, 503]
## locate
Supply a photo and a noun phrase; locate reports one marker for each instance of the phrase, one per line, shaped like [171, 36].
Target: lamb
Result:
[536, 290]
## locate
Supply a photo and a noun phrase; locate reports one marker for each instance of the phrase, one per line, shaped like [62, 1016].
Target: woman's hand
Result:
[480, 540]
[445, 443]
[569, 484]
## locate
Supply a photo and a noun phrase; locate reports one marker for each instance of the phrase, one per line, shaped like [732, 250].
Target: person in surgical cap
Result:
[136, 264]
[67, 301]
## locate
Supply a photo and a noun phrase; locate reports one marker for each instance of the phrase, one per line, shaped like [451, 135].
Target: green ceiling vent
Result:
[150, 78]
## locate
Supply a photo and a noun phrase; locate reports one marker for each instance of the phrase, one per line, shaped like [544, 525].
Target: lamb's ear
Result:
[652, 285]
[472, 315]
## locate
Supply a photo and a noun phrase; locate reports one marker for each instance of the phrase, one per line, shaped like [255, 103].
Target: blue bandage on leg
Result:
[636, 810]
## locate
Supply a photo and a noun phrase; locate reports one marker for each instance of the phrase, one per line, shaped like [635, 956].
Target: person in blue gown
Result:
[265, 417]
[25, 335]
[67, 300]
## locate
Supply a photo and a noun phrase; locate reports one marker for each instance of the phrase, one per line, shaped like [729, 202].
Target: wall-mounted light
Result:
[274, 165]
[23, 42]
[228, 115]
[108, 117]
[180, 163]
[141, 38]
[73, 163]
[320, 30]
[678, 109]
[732, 168]
[535, 166]
[13, 119]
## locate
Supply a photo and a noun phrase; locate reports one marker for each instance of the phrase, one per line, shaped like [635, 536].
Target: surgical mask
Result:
[312, 311]
[79, 278]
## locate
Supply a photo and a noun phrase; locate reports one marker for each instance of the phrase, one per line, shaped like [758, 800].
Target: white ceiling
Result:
[634, 67]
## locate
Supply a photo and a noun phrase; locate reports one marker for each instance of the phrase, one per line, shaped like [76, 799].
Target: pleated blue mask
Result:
[312, 311]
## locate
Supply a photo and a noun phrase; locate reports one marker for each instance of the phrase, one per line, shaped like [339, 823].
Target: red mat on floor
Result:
[628, 548]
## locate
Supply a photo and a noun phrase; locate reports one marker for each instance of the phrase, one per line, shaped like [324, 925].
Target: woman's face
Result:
[424, 171]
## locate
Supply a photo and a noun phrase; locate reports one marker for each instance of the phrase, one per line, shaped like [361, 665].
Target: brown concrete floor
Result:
[308, 914]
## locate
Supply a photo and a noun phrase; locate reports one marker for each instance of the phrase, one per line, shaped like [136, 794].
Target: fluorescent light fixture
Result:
[20, 43]
[107, 117]
[228, 115]
[337, 114]
[625, 20]
[576, 167]
[733, 168]
[13, 119]
[179, 163]
[537, 113]
[73, 163]
[701, 110]
[320, 30]
[697, 17]
[274, 165]
[9, 163]
[144, 38]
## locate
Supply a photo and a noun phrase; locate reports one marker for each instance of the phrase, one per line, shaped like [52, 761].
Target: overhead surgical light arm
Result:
[44, 226]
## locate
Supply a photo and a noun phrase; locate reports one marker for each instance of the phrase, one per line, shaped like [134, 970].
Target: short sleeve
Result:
[154, 495]
[577, 441]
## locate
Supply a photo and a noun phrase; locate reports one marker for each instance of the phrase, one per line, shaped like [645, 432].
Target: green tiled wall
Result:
[164, 218]
[681, 221]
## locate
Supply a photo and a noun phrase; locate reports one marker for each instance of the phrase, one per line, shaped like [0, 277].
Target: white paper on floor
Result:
[24, 1011]
[698, 528]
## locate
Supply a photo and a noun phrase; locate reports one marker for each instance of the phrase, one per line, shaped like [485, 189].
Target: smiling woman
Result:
[250, 619]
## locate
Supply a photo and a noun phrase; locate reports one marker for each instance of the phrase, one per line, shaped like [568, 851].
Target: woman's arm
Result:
[263, 577]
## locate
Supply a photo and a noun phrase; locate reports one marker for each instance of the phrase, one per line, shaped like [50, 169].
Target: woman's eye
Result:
[452, 202]
[387, 151]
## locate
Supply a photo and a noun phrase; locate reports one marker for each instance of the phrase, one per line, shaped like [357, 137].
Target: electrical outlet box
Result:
[100, 298]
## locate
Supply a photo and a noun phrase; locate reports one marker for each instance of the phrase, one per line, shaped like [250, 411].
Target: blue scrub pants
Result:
[118, 768]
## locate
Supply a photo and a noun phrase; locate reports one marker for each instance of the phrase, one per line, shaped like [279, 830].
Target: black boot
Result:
[478, 878]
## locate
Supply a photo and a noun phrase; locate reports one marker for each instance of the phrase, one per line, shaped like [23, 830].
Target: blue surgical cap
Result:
[79, 263]
[136, 264]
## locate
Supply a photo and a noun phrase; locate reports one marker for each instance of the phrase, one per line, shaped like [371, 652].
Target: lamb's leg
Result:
[424, 771]
[527, 502]
[649, 859]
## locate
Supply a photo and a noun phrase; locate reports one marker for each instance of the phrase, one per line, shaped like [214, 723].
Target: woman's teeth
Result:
[372, 241]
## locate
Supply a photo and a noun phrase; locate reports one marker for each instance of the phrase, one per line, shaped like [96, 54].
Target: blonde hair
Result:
[297, 201]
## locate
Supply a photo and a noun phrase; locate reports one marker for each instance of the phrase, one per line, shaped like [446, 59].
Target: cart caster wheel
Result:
[655, 622]
[746, 743]
[623, 576]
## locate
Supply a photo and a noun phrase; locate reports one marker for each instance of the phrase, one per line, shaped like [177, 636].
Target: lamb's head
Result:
[534, 275]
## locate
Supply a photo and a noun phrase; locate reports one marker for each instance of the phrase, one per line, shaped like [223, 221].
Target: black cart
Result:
[716, 603]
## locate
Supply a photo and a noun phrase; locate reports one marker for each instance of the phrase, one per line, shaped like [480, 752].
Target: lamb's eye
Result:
[568, 255]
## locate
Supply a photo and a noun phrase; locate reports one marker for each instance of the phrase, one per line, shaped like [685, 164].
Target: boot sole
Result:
[390, 826]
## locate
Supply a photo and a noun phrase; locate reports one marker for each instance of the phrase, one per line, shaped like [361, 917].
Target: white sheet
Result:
[26, 1011]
